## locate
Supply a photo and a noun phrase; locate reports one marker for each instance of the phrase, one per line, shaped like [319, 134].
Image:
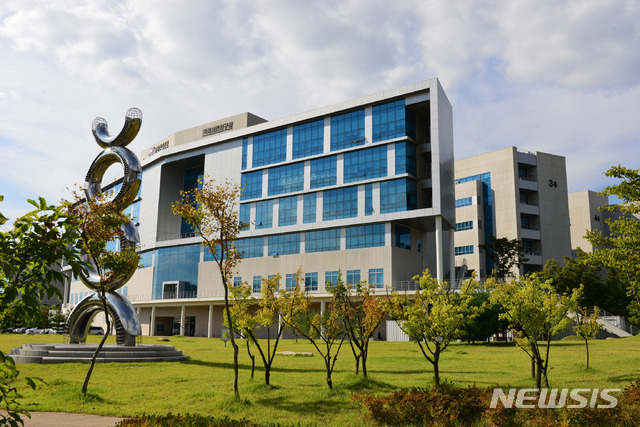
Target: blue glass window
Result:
[365, 236]
[191, 181]
[252, 247]
[322, 240]
[146, 259]
[347, 130]
[464, 250]
[392, 120]
[257, 284]
[308, 139]
[283, 244]
[353, 277]
[340, 203]
[309, 208]
[245, 148]
[286, 179]
[324, 171]
[311, 281]
[135, 212]
[208, 256]
[237, 281]
[251, 184]
[245, 215]
[376, 277]
[398, 195]
[264, 214]
[269, 148]
[291, 281]
[466, 201]
[331, 278]
[365, 164]
[465, 225]
[405, 158]
[368, 199]
[403, 237]
[288, 213]
[176, 263]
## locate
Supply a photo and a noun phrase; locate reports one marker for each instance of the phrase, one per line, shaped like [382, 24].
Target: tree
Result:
[101, 222]
[211, 210]
[266, 315]
[621, 249]
[505, 254]
[487, 322]
[587, 325]
[535, 312]
[361, 312]
[433, 316]
[325, 330]
[31, 255]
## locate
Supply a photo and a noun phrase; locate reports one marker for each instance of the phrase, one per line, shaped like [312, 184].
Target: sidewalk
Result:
[65, 419]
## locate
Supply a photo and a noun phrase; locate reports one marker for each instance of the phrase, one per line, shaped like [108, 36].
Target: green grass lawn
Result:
[203, 384]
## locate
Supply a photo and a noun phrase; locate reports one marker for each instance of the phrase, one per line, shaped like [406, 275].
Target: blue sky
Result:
[561, 77]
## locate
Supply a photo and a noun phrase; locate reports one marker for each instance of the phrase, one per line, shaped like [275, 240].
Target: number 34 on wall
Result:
[553, 183]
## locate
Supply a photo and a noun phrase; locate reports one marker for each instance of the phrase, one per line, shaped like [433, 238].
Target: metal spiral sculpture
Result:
[124, 315]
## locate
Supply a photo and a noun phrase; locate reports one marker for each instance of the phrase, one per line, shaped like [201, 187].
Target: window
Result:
[176, 263]
[365, 236]
[264, 214]
[322, 240]
[311, 282]
[257, 284]
[392, 120]
[331, 278]
[146, 259]
[308, 139]
[253, 247]
[192, 177]
[269, 148]
[340, 203]
[283, 244]
[465, 225]
[368, 199]
[466, 201]
[365, 164]
[288, 212]
[403, 237]
[353, 277]
[463, 250]
[405, 158]
[237, 281]
[291, 281]
[347, 130]
[398, 195]
[245, 215]
[309, 208]
[376, 277]
[251, 184]
[245, 148]
[286, 179]
[324, 171]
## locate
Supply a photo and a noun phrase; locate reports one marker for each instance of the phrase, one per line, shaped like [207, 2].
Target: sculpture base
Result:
[82, 353]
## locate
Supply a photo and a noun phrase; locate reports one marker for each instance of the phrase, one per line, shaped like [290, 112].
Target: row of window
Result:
[395, 196]
[465, 225]
[464, 250]
[376, 279]
[360, 165]
[390, 120]
[466, 201]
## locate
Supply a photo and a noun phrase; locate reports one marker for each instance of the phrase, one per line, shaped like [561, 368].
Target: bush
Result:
[178, 420]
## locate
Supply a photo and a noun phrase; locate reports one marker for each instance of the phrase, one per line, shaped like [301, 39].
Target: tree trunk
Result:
[586, 343]
[357, 364]
[538, 373]
[364, 364]
[85, 384]
[267, 374]
[327, 363]
[533, 368]
[253, 359]
[436, 370]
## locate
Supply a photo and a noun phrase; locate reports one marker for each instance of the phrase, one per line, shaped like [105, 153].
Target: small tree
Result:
[433, 316]
[212, 211]
[361, 312]
[325, 330]
[587, 325]
[266, 315]
[101, 222]
[505, 254]
[486, 323]
[535, 312]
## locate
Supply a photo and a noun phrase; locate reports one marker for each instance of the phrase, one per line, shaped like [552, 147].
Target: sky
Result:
[561, 77]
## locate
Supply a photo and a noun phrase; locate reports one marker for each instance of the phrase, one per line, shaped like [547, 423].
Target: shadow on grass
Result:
[631, 377]
[259, 367]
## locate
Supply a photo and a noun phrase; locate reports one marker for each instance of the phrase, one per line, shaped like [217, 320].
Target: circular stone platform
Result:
[74, 353]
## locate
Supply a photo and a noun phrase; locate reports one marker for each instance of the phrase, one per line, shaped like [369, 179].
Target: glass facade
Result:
[365, 236]
[286, 179]
[245, 148]
[487, 207]
[465, 201]
[308, 139]
[283, 244]
[392, 120]
[252, 247]
[191, 181]
[322, 240]
[405, 158]
[251, 184]
[398, 195]
[365, 164]
[368, 199]
[146, 259]
[176, 263]
[288, 211]
[269, 148]
[324, 171]
[309, 208]
[347, 130]
[403, 237]
[340, 203]
[245, 215]
[264, 214]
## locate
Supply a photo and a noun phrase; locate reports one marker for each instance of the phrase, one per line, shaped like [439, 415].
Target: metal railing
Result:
[617, 321]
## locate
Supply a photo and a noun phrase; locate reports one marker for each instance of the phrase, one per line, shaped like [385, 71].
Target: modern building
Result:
[584, 209]
[512, 194]
[363, 187]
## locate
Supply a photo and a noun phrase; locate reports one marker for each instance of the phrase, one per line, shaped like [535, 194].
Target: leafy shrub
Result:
[190, 420]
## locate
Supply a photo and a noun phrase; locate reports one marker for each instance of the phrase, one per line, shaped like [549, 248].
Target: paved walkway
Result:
[65, 419]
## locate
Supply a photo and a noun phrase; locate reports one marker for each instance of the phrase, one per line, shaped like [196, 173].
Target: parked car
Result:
[96, 330]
